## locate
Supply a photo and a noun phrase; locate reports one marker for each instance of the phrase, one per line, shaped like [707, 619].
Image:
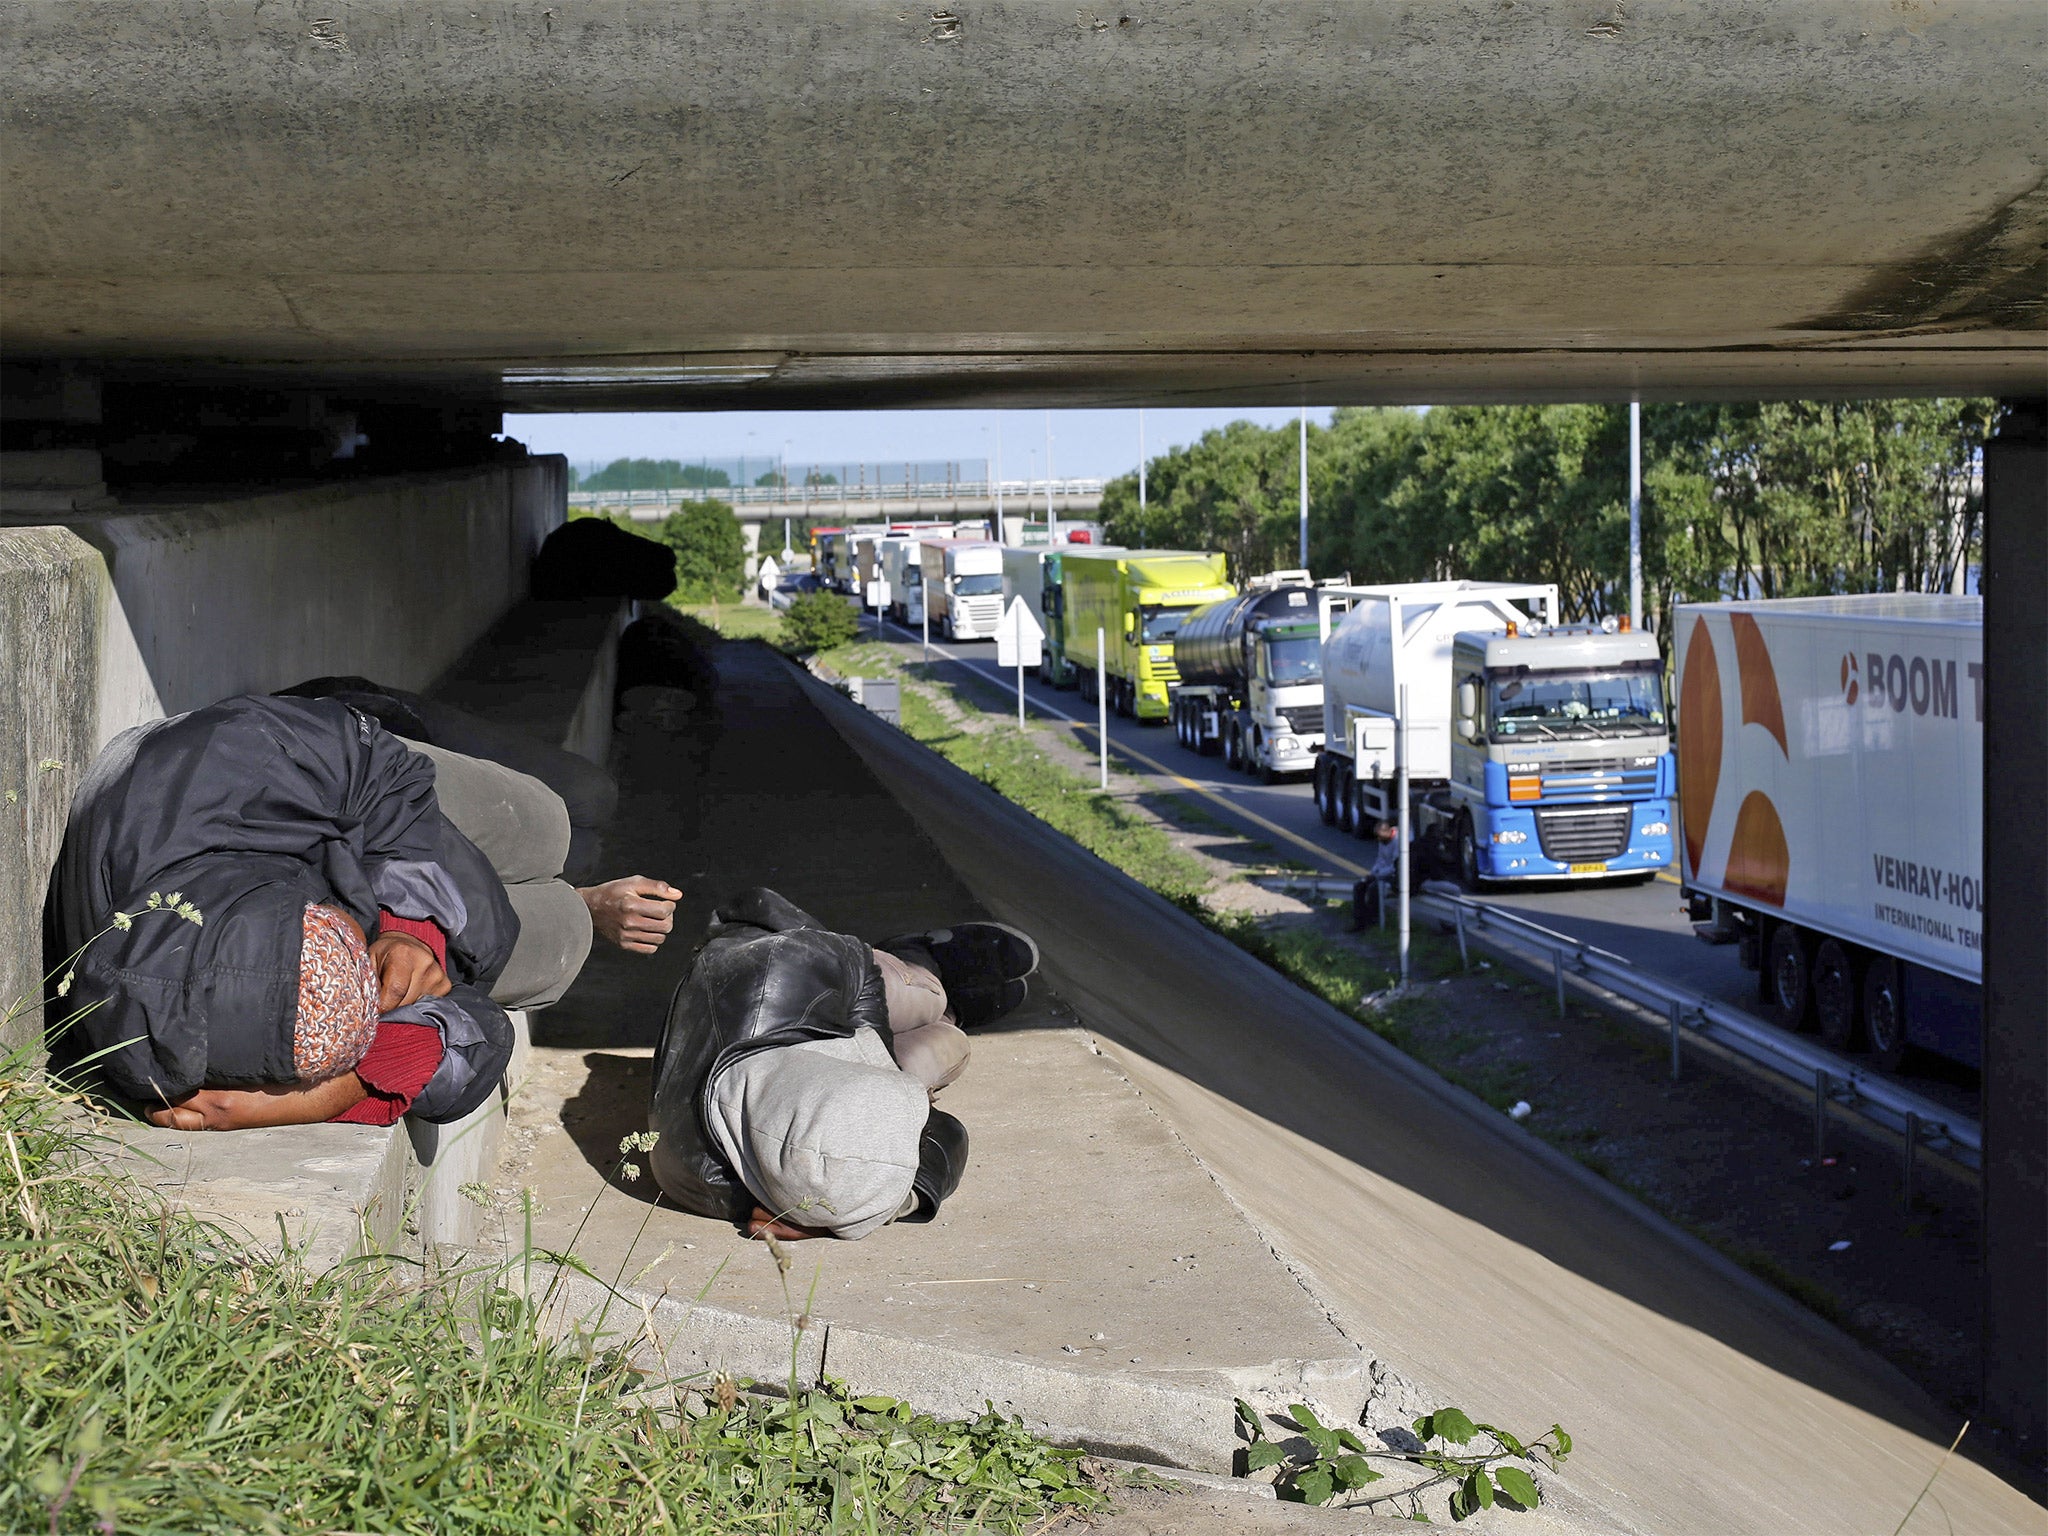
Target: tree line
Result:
[1773, 499]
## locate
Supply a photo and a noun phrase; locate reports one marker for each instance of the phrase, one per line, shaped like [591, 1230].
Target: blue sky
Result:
[1086, 443]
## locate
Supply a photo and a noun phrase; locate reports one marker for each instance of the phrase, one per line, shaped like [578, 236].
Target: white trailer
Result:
[900, 557]
[1831, 769]
[963, 583]
[1534, 751]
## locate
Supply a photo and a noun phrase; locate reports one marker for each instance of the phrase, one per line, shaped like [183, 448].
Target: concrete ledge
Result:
[548, 669]
[332, 1192]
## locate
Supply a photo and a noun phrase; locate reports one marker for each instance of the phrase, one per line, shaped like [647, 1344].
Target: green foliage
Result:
[154, 1377]
[711, 551]
[1337, 1462]
[652, 475]
[817, 621]
[1779, 499]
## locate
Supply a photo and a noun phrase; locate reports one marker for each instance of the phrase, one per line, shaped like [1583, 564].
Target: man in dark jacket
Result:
[796, 1068]
[313, 891]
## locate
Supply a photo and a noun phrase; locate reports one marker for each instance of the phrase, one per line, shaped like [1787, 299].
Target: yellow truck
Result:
[1139, 599]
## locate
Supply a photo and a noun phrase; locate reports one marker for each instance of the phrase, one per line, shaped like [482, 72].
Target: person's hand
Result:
[242, 1109]
[406, 971]
[761, 1224]
[635, 913]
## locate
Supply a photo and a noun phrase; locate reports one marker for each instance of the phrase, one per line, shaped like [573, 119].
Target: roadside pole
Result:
[1102, 704]
[1401, 794]
[924, 611]
[1635, 514]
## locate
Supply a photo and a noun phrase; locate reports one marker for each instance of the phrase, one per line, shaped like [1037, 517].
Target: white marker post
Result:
[876, 593]
[924, 613]
[1020, 644]
[1401, 791]
[1102, 703]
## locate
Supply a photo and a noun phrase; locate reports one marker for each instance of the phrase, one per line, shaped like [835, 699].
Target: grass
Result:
[736, 621]
[156, 1376]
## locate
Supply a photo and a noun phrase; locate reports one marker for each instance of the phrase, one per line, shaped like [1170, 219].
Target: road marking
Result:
[1356, 871]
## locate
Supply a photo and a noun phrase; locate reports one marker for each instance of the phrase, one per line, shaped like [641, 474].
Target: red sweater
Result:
[403, 1058]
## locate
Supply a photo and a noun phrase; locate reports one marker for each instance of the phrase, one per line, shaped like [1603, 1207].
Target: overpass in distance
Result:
[272, 273]
[861, 503]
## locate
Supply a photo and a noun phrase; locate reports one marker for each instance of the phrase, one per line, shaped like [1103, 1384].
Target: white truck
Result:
[899, 561]
[963, 584]
[1831, 771]
[1534, 751]
[1251, 677]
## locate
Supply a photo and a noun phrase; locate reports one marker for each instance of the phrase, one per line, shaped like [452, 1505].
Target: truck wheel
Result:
[1789, 965]
[1347, 806]
[1324, 809]
[1834, 993]
[1884, 1012]
[1233, 746]
[1468, 857]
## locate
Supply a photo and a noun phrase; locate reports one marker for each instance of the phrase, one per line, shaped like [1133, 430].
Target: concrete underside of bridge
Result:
[758, 203]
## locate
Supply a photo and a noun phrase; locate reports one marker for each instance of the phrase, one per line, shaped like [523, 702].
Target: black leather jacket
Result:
[768, 975]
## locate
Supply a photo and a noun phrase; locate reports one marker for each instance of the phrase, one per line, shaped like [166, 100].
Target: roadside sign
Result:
[769, 575]
[877, 593]
[1020, 641]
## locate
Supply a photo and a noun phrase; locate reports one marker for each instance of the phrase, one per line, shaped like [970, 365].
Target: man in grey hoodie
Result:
[797, 1067]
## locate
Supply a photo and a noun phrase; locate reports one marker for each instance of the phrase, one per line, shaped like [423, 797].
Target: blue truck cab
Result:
[1561, 765]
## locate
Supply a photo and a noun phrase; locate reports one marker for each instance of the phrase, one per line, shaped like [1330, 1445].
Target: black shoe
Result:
[982, 966]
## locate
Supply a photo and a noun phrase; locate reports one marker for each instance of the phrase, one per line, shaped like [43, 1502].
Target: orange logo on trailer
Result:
[1759, 858]
[1851, 680]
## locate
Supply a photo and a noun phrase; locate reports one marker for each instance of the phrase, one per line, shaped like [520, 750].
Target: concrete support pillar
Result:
[2015, 1093]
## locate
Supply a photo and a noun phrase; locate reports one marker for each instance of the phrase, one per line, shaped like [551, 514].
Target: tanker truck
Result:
[1831, 781]
[1251, 677]
[1535, 751]
[1138, 599]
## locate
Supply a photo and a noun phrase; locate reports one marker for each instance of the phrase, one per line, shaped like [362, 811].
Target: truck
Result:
[898, 559]
[963, 586]
[1138, 598]
[1534, 750]
[1251, 677]
[1032, 574]
[1830, 781]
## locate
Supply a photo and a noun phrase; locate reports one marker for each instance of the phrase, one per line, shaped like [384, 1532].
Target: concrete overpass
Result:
[270, 274]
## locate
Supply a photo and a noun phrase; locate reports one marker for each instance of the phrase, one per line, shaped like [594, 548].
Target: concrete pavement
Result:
[1455, 1248]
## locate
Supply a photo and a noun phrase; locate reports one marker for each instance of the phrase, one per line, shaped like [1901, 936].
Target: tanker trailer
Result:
[1251, 678]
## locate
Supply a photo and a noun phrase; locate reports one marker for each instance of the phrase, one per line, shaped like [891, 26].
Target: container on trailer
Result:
[1138, 599]
[1831, 754]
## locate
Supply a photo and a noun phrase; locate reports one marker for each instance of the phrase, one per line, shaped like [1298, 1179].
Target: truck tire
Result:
[1468, 857]
[1884, 1012]
[1363, 822]
[1835, 989]
[1326, 776]
[1233, 746]
[1788, 964]
[1347, 806]
[1180, 722]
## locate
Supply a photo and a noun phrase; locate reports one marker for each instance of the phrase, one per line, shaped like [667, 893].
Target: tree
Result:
[711, 551]
[817, 621]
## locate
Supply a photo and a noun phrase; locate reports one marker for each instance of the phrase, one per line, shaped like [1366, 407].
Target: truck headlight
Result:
[1511, 835]
[1284, 743]
[1656, 829]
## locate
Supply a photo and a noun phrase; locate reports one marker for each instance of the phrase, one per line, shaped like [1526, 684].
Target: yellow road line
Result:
[1356, 871]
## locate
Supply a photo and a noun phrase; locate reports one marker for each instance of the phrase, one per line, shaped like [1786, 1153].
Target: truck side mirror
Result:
[1130, 623]
[1468, 706]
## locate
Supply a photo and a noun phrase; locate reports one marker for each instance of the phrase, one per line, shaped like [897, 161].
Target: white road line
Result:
[1356, 871]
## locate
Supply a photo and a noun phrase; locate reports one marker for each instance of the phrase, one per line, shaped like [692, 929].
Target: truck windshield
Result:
[1624, 701]
[1299, 660]
[1162, 624]
[978, 586]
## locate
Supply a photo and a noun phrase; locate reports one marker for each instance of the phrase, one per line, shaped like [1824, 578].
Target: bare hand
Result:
[242, 1109]
[635, 913]
[761, 1224]
[406, 971]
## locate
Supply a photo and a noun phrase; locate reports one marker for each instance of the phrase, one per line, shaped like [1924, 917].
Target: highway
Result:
[1645, 924]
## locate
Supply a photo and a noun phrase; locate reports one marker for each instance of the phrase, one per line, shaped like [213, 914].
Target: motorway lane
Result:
[1644, 924]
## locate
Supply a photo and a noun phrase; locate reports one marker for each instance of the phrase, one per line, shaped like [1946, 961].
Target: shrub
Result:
[817, 621]
[711, 551]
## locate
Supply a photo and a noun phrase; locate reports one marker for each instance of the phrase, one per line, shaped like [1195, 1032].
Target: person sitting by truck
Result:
[1369, 895]
[797, 1069]
[341, 919]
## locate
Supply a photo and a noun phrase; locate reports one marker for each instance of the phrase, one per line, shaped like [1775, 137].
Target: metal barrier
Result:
[1847, 1087]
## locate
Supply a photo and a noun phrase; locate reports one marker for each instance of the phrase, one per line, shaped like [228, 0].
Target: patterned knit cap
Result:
[337, 996]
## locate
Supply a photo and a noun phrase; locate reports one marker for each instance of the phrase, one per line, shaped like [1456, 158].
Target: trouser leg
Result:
[924, 1039]
[522, 827]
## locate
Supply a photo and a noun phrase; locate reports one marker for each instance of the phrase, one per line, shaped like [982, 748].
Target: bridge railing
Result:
[822, 500]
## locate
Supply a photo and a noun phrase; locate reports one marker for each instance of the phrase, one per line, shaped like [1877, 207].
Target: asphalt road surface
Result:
[1645, 924]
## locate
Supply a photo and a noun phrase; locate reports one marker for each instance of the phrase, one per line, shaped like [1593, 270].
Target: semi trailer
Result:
[1831, 760]
[963, 586]
[1251, 677]
[1032, 574]
[1138, 600]
[1534, 750]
